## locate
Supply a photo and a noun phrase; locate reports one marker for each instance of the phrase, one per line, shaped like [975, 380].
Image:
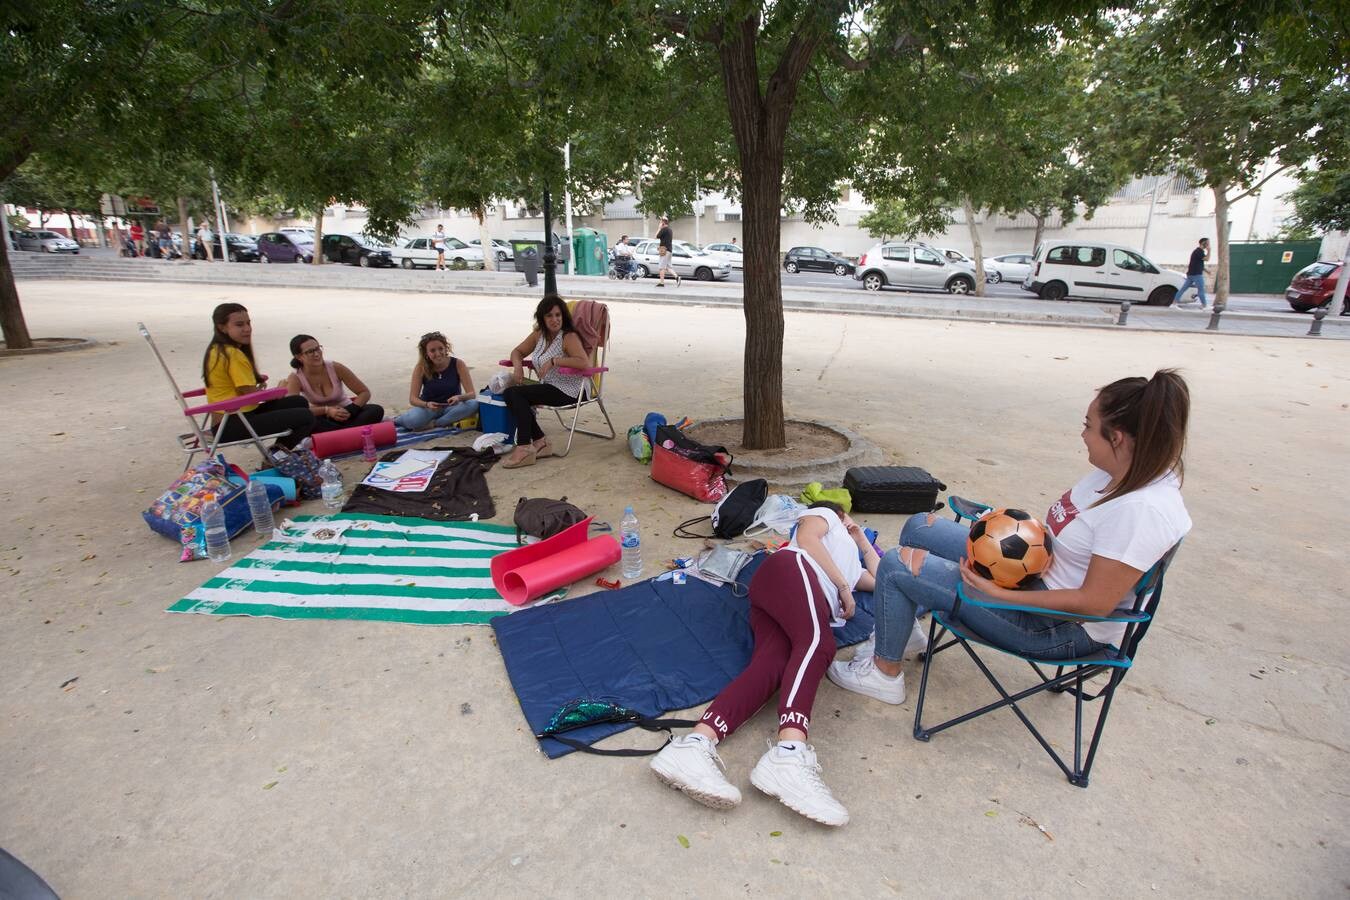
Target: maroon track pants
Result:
[793, 647]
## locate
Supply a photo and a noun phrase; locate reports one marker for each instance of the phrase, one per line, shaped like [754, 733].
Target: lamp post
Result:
[550, 257]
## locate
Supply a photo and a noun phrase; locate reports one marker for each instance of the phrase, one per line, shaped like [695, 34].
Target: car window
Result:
[926, 257]
[455, 243]
[896, 254]
[1124, 259]
[1077, 256]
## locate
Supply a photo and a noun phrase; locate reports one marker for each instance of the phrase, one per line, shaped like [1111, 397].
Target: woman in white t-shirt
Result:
[794, 596]
[1109, 529]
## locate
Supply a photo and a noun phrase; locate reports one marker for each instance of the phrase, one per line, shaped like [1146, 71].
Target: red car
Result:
[1313, 286]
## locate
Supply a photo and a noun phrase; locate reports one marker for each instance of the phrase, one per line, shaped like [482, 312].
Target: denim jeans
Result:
[415, 418]
[900, 593]
[1192, 281]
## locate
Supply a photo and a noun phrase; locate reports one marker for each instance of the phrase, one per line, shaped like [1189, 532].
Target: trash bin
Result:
[590, 250]
[527, 260]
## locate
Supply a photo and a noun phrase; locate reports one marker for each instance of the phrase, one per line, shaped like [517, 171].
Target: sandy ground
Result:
[248, 757]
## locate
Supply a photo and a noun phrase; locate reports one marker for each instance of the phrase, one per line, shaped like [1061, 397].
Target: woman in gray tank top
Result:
[551, 346]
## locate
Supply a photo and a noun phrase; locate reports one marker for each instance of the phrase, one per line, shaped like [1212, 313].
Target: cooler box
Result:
[494, 416]
[892, 489]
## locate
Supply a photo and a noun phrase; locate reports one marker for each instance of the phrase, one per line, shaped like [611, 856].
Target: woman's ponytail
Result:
[1155, 412]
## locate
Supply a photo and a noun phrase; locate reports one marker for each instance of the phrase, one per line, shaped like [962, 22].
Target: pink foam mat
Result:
[529, 572]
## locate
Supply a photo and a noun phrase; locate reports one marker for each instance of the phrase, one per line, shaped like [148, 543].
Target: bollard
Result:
[1214, 319]
[1315, 330]
[1124, 312]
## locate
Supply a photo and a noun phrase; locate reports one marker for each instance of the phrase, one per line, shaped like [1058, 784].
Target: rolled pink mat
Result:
[529, 572]
[331, 443]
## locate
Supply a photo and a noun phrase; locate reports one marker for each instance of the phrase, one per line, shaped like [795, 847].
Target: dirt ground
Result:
[236, 757]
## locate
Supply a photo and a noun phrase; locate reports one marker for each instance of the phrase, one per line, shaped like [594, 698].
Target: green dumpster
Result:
[590, 250]
[1267, 267]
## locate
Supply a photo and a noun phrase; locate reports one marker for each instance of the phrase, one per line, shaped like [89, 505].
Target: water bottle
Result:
[631, 542]
[368, 444]
[261, 506]
[332, 485]
[213, 522]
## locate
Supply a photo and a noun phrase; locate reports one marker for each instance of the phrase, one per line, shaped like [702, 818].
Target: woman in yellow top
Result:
[229, 371]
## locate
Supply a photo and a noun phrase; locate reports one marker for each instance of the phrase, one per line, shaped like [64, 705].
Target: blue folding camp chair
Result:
[1113, 660]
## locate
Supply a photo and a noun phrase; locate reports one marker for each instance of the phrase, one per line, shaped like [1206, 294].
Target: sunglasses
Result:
[432, 336]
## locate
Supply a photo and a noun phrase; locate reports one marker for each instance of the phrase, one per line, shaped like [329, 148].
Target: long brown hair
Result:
[1154, 411]
[428, 370]
[220, 340]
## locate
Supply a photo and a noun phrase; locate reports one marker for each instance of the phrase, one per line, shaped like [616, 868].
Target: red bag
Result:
[690, 467]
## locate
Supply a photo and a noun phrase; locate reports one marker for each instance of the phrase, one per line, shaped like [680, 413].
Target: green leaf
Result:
[684, 841]
[270, 785]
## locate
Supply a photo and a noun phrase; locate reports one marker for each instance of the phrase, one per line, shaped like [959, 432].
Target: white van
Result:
[1093, 271]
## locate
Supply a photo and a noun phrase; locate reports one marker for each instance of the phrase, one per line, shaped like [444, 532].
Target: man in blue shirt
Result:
[1195, 274]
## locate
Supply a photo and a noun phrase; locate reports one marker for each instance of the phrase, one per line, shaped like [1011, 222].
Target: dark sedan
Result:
[356, 251]
[806, 259]
[242, 248]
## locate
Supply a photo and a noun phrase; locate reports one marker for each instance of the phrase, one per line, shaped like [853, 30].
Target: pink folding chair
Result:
[202, 439]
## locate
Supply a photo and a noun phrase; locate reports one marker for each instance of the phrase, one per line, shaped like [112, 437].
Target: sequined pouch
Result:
[583, 713]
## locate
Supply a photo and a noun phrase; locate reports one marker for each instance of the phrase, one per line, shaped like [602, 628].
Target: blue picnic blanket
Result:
[653, 647]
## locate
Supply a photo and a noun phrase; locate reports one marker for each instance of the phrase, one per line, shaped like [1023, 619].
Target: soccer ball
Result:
[1009, 547]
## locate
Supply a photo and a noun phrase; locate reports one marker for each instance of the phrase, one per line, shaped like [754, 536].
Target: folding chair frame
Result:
[202, 439]
[1070, 675]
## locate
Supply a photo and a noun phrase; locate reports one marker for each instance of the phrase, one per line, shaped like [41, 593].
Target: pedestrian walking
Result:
[138, 238]
[204, 238]
[164, 238]
[438, 244]
[666, 252]
[1195, 274]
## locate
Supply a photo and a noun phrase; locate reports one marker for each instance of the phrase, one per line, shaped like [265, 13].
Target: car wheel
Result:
[407, 263]
[501, 256]
[703, 273]
[993, 277]
[1162, 296]
[264, 258]
[960, 285]
[1055, 290]
[841, 270]
[458, 263]
[363, 262]
[233, 257]
[791, 267]
[873, 281]
[644, 272]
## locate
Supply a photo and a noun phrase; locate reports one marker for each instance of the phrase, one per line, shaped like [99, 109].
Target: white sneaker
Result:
[917, 643]
[793, 776]
[863, 677]
[690, 763]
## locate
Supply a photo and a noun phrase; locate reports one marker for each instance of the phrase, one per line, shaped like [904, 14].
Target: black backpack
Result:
[544, 518]
[732, 514]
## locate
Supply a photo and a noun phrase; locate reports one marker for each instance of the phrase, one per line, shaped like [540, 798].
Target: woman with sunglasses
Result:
[325, 385]
[551, 346]
[441, 391]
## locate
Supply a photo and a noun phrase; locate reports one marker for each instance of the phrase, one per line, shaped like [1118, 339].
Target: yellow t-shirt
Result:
[224, 376]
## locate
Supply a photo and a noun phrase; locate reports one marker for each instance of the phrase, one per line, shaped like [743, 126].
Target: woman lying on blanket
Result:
[325, 384]
[441, 391]
[228, 371]
[1109, 529]
[552, 344]
[794, 595]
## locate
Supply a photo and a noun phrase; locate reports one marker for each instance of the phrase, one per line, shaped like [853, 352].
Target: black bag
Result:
[893, 489]
[692, 449]
[733, 513]
[544, 518]
[584, 713]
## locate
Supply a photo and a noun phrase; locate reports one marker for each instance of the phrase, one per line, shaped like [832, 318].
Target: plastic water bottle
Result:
[368, 444]
[213, 522]
[261, 506]
[332, 485]
[631, 542]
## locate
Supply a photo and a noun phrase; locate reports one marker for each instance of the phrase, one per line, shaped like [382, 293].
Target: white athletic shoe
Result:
[863, 677]
[690, 763]
[917, 643]
[793, 776]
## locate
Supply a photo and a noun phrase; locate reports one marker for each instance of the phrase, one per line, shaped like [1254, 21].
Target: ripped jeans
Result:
[927, 576]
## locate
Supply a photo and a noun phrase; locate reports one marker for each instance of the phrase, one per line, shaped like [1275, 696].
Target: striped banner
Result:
[348, 566]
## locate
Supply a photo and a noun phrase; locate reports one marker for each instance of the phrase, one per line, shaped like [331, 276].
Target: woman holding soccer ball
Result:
[1109, 529]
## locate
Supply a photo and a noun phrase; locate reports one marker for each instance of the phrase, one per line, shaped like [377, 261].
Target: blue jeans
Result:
[900, 593]
[416, 418]
[1192, 281]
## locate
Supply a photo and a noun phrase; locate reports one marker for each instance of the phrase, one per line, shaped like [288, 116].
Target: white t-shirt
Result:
[623, 250]
[843, 553]
[1136, 529]
[438, 241]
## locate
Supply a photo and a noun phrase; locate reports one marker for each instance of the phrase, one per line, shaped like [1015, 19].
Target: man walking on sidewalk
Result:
[1195, 274]
[666, 252]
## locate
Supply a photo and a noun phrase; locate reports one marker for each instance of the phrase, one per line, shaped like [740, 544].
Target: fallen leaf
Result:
[69, 683]
[89, 557]
[270, 785]
[992, 813]
[775, 834]
[684, 841]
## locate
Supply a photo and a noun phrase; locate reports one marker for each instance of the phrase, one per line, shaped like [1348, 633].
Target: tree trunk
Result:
[485, 240]
[1040, 232]
[14, 328]
[1221, 246]
[318, 259]
[976, 245]
[70, 217]
[183, 227]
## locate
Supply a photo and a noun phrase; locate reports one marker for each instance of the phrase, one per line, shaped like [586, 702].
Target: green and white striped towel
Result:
[388, 568]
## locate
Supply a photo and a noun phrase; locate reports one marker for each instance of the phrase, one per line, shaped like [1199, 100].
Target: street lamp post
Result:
[550, 257]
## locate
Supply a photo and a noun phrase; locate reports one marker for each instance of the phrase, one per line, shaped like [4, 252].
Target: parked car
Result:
[45, 241]
[1009, 267]
[302, 230]
[500, 247]
[814, 258]
[418, 252]
[1093, 271]
[284, 247]
[687, 260]
[356, 250]
[1314, 285]
[732, 253]
[913, 265]
[241, 248]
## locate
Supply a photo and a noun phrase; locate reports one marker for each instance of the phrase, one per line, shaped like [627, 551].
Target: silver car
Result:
[913, 265]
[46, 242]
[688, 261]
[1009, 267]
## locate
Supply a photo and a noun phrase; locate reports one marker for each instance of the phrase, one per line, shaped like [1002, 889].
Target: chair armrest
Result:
[967, 509]
[236, 403]
[529, 363]
[199, 392]
[981, 599]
